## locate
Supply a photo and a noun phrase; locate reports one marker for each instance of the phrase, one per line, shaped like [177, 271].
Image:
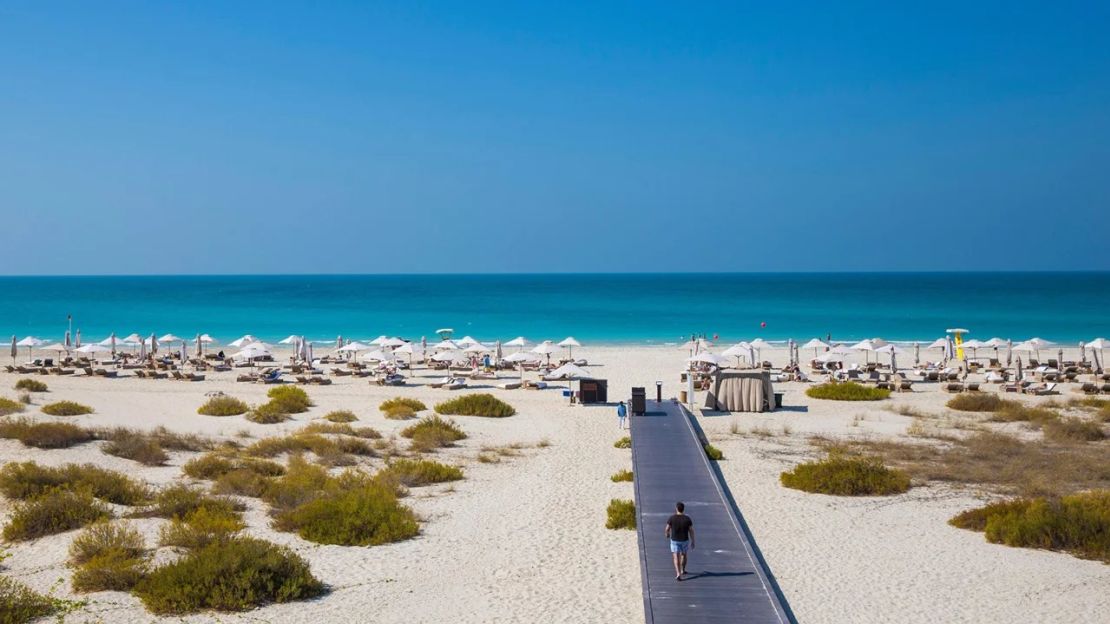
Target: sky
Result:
[363, 137]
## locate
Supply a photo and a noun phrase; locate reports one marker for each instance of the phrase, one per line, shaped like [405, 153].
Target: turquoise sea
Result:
[629, 308]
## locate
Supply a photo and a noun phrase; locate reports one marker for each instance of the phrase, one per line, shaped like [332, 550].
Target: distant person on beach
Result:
[622, 413]
[680, 530]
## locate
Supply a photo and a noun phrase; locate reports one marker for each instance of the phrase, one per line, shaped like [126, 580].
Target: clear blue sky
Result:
[278, 137]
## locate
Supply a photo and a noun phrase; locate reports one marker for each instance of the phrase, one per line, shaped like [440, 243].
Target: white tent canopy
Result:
[93, 348]
[30, 341]
[545, 348]
[446, 345]
[378, 355]
[521, 357]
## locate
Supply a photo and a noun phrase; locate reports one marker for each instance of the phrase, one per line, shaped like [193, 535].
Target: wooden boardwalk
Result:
[727, 579]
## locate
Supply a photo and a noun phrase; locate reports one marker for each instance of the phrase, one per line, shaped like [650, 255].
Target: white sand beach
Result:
[523, 540]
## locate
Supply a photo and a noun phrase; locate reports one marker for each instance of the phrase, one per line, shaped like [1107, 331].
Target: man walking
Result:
[622, 413]
[680, 530]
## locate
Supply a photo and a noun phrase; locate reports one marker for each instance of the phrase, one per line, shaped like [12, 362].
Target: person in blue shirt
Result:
[622, 413]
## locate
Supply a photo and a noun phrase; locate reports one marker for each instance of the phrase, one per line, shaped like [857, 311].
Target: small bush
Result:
[199, 528]
[1078, 524]
[847, 391]
[621, 475]
[8, 406]
[1013, 411]
[102, 537]
[20, 604]
[31, 385]
[846, 476]
[223, 405]
[977, 402]
[25, 398]
[66, 408]
[111, 571]
[400, 412]
[268, 414]
[1073, 429]
[138, 448]
[44, 434]
[415, 405]
[713, 452]
[433, 432]
[164, 438]
[56, 511]
[621, 514]
[301, 483]
[366, 514]
[27, 480]
[289, 399]
[623, 443]
[235, 575]
[178, 501]
[417, 472]
[340, 416]
[342, 429]
[241, 482]
[209, 466]
[485, 405]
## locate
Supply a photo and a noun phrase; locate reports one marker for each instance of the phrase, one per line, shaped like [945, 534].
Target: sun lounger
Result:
[509, 385]
[973, 387]
[100, 372]
[272, 377]
[456, 383]
[954, 387]
[905, 386]
[535, 385]
[439, 383]
[1088, 388]
[1045, 389]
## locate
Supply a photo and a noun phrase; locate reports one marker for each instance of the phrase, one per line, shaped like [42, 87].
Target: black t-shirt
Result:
[680, 527]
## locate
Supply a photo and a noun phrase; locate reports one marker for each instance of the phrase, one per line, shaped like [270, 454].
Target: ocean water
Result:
[599, 308]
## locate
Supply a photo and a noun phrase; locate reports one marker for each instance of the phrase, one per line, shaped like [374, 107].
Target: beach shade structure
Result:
[1098, 345]
[830, 356]
[455, 357]
[379, 341]
[465, 341]
[520, 342]
[545, 348]
[200, 346]
[445, 333]
[243, 341]
[864, 345]
[571, 373]
[68, 341]
[1009, 352]
[393, 343]
[56, 347]
[378, 355]
[411, 349]
[133, 340]
[706, 357]
[253, 350]
[497, 354]
[142, 350]
[816, 344]
[109, 341]
[170, 338]
[974, 345]
[1038, 344]
[446, 345]
[1098, 364]
[738, 350]
[1019, 375]
[290, 339]
[759, 345]
[30, 342]
[91, 348]
[354, 347]
[995, 343]
[892, 351]
[1060, 358]
[183, 353]
[569, 342]
[478, 347]
[520, 358]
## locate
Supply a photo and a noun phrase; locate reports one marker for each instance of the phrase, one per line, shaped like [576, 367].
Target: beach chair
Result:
[319, 380]
[100, 372]
[88, 371]
[973, 387]
[457, 383]
[1088, 388]
[535, 385]
[905, 385]
[1045, 389]
[272, 377]
[509, 385]
[178, 376]
[954, 388]
[440, 382]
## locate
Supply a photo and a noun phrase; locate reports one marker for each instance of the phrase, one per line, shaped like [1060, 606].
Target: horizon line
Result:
[575, 273]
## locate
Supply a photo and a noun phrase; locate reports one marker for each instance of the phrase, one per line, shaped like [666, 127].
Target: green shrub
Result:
[138, 448]
[268, 414]
[44, 434]
[621, 514]
[236, 575]
[178, 501]
[1013, 411]
[847, 391]
[199, 528]
[1073, 429]
[366, 514]
[977, 402]
[1078, 524]
[341, 429]
[621, 475]
[103, 537]
[713, 452]
[56, 511]
[164, 438]
[846, 476]
[66, 408]
[433, 432]
[623, 443]
[223, 405]
[289, 399]
[209, 466]
[485, 405]
[301, 483]
[27, 480]
[340, 416]
[8, 406]
[400, 412]
[415, 405]
[107, 557]
[30, 385]
[19, 604]
[241, 482]
[417, 472]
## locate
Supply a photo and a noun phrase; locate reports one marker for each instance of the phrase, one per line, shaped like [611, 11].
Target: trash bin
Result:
[639, 401]
[682, 396]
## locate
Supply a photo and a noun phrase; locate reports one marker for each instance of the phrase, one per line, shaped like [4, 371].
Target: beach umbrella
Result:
[545, 348]
[338, 341]
[445, 345]
[142, 350]
[290, 339]
[708, 358]
[1082, 353]
[816, 344]
[450, 356]
[738, 350]
[379, 341]
[393, 343]
[133, 339]
[497, 354]
[1019, 374]
[423, 343]
[353, 347]
[15, 348]
[477, 347]
[465, 341]
[243, 341]
[519, 341]
[184, 353]
[892, 351]
[200, 346]
[107, 342]
[1097, 345]
[77, 340]
[865, 346]
[92, 348]
[939, 343]
[378, 355]
[1098, 365]
[760, 344]
[570, 372]
[569, 342]
[445, 333]
[57, 347]
[1060, 358]
[412, 349]
[308, 353]
[170, 338]
[520, 358]
[974, 345]
[1009, 351]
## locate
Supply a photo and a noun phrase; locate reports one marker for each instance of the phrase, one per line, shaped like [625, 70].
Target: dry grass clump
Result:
[1013, 411]
[55, 511]
[417, 472]
[847, 391]
[201, 527]
[1073, 429]
[842, 475]
[415, 405]
[481, 404]
[284, 400]
[267, 414]
[223, 405]
[20, 604]
[31, 385]
[433, 432]
[8, 406]
[621, 514]
[977, 402]
[368, 433]
[340, 416]
[28, 480]
[713, 452]
[621, 475]
[178, 501]
[1078, 524]
[234, 575]
[234, 474]
[108, 556]
[400, 412]
[44, 434]
[623, 443]
[338, 451]
[66, 408]
[137, 447]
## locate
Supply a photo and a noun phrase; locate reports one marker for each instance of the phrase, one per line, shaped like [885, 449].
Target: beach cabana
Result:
[741, 391]
[706, 357]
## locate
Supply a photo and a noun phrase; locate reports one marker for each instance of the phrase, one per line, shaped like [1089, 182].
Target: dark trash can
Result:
[639, 401]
